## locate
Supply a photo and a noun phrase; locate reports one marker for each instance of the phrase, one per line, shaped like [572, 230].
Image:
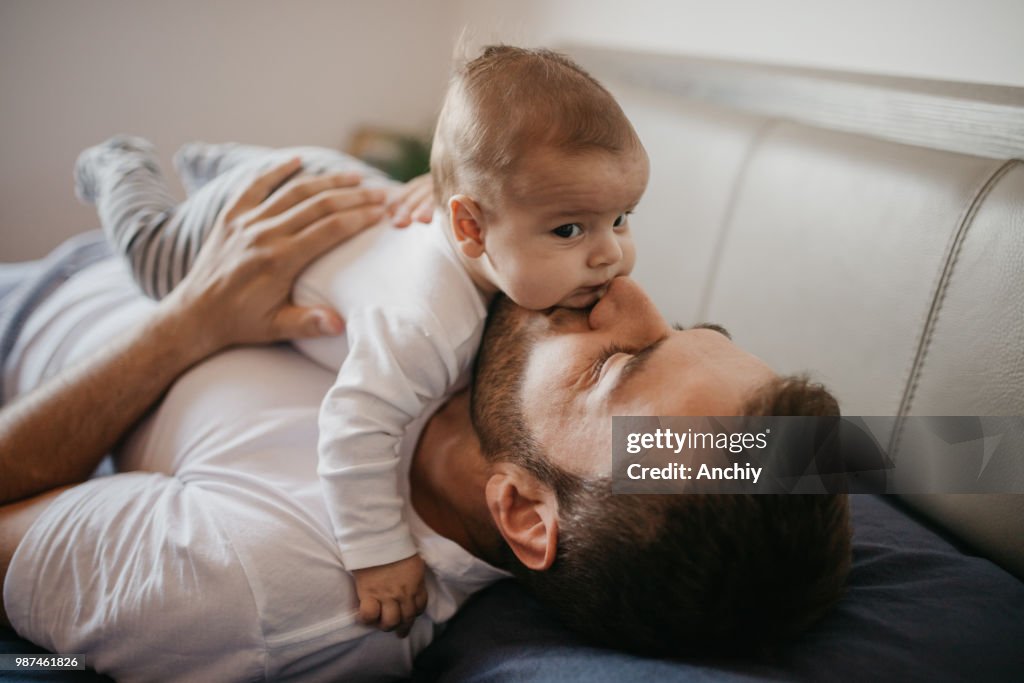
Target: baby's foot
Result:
[110, 160]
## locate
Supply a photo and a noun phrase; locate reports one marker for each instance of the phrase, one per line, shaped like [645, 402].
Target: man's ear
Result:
[467, 225]
[526, 513]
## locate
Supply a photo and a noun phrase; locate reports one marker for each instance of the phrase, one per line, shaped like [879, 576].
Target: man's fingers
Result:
[369, 611]
[325, 203]
[257, 190]
[332, 230]
[297, 322]
[298, 190]
[299, 250]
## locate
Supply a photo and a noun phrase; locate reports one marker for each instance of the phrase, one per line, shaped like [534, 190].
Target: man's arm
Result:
[237, 292]
[58, 433]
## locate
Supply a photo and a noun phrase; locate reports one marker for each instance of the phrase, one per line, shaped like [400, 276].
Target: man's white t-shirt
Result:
[211, 555]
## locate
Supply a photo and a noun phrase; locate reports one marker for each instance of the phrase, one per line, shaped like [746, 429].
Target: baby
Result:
[535, 170]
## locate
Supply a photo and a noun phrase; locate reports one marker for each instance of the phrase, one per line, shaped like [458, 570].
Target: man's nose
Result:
[606, 252]
[626, 307]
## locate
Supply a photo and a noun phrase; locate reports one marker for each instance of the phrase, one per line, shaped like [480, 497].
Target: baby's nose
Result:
[607, 252]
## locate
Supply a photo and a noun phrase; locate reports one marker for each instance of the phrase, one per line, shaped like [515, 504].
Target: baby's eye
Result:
[568, 230]
[620, 220]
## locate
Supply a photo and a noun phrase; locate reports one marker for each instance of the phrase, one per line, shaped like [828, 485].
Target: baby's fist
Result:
[391, 596]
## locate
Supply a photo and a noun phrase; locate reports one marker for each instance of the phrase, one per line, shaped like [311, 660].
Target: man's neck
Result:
[447, 480]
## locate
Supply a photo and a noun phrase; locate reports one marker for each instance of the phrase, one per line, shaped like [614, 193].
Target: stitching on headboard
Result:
[723, 231]
[945, 275]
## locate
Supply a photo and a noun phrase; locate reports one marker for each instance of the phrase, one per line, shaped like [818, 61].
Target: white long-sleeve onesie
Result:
[414, 320]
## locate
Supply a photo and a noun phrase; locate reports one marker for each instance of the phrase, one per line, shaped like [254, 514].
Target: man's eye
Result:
[605, 356]
[569, 230]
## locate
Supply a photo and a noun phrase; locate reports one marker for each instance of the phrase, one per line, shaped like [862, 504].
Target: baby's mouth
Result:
[600, 290]
[586, 297]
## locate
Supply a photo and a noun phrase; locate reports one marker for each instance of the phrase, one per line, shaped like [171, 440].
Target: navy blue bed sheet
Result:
[917, 608]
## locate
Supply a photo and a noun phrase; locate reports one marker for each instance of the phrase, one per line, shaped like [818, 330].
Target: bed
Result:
[870, 229]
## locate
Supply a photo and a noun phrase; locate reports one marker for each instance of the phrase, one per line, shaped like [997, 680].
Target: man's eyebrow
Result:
[706, 326]
[635, 364]
[714, 328]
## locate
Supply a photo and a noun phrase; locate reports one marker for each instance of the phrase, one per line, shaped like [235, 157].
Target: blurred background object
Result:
[402, 156]
[316, 71]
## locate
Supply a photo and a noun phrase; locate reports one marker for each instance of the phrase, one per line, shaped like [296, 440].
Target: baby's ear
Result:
[467, 225]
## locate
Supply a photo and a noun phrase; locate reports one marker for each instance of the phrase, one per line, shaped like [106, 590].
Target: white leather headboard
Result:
[869, 230]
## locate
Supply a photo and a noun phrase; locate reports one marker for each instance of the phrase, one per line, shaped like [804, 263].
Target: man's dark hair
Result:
[670, 575]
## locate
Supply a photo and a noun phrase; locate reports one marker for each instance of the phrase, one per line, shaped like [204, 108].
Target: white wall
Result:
[977, 41]
[74, 73]
[307, 71]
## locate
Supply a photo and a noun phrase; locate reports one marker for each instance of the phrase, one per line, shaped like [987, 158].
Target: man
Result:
[209, 557]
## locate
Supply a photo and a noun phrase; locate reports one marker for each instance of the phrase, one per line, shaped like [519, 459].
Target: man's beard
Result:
[497, 400]
[497, 381]
[497, 410]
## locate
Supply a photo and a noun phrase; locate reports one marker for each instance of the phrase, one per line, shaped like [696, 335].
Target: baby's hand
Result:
[413, 201]
[391, 596]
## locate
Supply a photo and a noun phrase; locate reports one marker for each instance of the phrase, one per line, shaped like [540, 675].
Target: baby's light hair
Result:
[510, 100]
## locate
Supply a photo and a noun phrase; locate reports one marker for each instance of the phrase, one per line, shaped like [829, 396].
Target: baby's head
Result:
[537, 169]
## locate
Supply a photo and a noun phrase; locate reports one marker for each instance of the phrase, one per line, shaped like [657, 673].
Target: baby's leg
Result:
[198, 163]
[159, 237]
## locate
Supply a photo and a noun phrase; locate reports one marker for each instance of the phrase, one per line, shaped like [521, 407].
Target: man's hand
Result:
[391, 596]
[239, 290]
[413, 201]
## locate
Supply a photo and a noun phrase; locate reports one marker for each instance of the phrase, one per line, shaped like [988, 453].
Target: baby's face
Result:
[561, 232]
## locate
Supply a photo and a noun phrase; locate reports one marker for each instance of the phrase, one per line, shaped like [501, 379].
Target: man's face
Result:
[579, 368]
